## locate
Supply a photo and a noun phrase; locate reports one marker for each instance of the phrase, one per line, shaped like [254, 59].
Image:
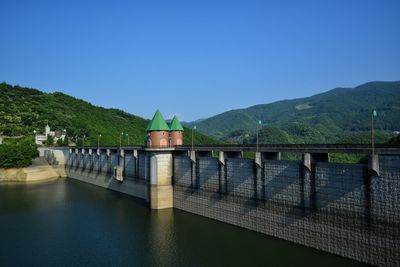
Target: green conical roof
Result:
[157, 123]
[176, 125]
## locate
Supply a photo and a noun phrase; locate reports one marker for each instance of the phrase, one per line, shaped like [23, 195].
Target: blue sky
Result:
[197, 58]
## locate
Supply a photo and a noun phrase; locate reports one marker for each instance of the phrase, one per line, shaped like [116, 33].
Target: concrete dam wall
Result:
[337, 208]
[345, 209]
[98, 169]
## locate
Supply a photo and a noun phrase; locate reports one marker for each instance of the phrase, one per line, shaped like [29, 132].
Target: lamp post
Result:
[194, 128]
[34, 135]
[127, 135]
[83, 142]
[65, 135]
[259, 123]
[98, 141]
[374, 114]
[120, 140]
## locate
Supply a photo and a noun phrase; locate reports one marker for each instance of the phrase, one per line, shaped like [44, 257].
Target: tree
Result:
[49, 140]
[66, 140]
[395, 140]
[364, 138]
[273, 135]
[17, 153]
[60, 142]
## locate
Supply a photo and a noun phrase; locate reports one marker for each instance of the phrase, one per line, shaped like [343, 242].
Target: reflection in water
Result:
[161, 238]
[17, 197]
[66, 222]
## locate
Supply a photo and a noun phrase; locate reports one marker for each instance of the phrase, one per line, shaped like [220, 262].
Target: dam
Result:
[351, 210]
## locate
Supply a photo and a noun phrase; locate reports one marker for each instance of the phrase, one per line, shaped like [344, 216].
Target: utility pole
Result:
[65, 136]
[98, 141]
[259, 123]
[120, 140]
[374, 114]
[194, 128]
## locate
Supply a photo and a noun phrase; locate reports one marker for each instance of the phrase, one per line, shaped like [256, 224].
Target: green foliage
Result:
[347, 158]
[380, 137]
[23, 110]
[303, 134]
[17, 153]
[49, 140]
[60, 142]
[395, 140]
[65, 141]
[322, 118]
[198, 138]
[290, 156]
[273, 135]
[248, 155]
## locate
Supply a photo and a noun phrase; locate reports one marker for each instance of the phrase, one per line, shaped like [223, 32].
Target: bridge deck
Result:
[294, 148]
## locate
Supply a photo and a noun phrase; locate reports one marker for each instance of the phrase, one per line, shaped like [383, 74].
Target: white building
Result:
[40, 139]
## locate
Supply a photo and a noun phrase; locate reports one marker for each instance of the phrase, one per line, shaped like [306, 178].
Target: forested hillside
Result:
[324, 118]
[23, 110]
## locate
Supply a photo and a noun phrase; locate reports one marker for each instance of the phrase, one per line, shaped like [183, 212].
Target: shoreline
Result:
[39, 171]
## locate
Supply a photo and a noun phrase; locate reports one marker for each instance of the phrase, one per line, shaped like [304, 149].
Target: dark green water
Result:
[69, 223]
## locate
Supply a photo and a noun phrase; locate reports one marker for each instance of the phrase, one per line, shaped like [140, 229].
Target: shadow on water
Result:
[70, 223]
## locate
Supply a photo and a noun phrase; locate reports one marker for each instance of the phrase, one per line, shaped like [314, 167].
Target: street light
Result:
[127, 135]
[65, 135]
[194, 128]
[259, 123]
[98, 141]
[120, 140]
[374, 114]
[34, 135]
[83, 142]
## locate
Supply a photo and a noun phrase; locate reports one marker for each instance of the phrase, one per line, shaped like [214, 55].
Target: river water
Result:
[70, 223]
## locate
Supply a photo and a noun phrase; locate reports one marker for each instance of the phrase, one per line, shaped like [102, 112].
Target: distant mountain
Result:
[325, 117]
[191, 123]
[23, 110]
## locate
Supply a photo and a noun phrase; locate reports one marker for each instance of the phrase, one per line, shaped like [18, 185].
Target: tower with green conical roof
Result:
[157, 132]
[175, 124]
[176, 132]
[157, 123]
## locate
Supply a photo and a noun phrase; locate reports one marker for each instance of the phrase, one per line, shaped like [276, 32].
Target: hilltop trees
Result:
[322, 118]
[23, 110]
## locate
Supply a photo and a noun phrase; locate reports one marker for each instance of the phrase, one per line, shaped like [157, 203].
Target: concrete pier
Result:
[161, 190]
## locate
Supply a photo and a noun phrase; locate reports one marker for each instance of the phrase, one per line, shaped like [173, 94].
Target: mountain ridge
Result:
[332, 112]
